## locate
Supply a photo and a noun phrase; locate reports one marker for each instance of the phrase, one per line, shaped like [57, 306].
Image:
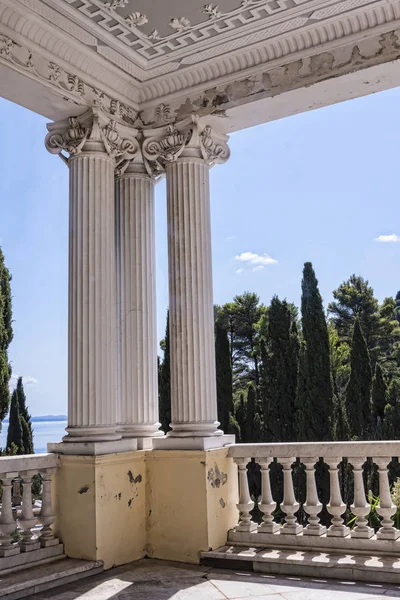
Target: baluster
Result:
[267, 504]
[245, 504]
[336, 506]
[47, 516]
[385, 508]
[360, 506]
[312, 506]
[29, 542]
[16, 492]
[289, 504]
[7, 522]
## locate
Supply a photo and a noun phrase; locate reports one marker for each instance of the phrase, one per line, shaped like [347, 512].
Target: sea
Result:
[43, 433]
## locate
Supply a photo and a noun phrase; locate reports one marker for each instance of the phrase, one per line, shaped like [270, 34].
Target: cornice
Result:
[55, 50]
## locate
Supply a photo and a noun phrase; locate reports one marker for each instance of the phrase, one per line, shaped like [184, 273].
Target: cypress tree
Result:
[281, 371]
[391, 418]
[25, 418]
[15, 433]
[358, 392]
[251, 412]
[223, 369]
[315, 392]
[378, 396]
[6, 335]
[164, 387]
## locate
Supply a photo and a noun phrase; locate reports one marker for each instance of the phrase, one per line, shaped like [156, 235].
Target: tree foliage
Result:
[358, 393]
[315, 392]
[15, 432]
[164, 383]
[6, 335]
[224, 376]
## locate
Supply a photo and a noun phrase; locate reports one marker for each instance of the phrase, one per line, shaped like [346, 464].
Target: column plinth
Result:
[136, 304]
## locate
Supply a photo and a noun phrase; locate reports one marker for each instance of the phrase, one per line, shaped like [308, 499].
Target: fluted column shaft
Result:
[92, 303]
[136, 304]
[193, 381]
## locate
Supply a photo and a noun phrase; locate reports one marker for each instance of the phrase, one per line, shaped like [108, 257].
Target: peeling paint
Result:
[118, 496]
[132, 479]
[222, 502]
[130, 502]
[216, 477]
[83, 489]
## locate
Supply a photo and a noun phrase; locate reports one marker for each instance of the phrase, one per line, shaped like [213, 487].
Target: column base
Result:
[192, 443]
[193, 429]
[140, 431]
[92, 434]
[93, 448]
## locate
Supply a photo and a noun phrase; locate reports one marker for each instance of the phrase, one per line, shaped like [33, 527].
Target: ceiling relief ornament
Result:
[187, 138]
[179, 23]
[136, 19]
[93, 131]
[212, 11]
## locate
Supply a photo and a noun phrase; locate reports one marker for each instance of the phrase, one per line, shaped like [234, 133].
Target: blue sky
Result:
[319, 187]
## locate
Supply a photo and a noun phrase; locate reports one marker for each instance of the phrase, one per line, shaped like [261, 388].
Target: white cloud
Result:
[256, 259]
[28, 380]
[239, 271]
[258, 268]
[230, 237]
[392, 237]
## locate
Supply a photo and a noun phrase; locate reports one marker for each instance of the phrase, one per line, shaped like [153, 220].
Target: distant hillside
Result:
[45, 418]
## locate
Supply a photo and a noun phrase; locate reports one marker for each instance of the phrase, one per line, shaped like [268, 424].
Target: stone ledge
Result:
[193, 443]
[25, 560]
[44, 577]
[93, 448]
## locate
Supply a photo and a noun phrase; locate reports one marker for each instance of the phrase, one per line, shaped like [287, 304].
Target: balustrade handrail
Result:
[316, 449]
[28, 462]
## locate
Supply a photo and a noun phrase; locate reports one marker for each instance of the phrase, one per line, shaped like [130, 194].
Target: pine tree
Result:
[358, 393]
[6, 335]
[15, 433]
[378, 396]
[164, 383]
[25, 418]
[315, 393]
[224, 376]
[280, 372]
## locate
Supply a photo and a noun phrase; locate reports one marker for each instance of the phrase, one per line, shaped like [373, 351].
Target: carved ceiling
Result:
[161, 36]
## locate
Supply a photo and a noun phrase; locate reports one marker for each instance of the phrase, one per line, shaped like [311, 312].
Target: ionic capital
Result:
[93, 131]
[185, 139]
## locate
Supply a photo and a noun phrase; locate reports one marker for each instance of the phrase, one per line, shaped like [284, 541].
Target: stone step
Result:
[300, 563]
[46, 576]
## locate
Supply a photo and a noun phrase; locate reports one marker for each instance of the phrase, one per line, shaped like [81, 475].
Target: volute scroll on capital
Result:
[93, 131]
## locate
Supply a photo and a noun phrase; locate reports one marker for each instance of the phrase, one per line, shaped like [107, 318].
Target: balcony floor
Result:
[160, 580]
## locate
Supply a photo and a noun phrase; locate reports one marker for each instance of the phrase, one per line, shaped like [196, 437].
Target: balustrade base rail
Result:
[300, 563]
[26, 560]
[26, 527]
[322, 543]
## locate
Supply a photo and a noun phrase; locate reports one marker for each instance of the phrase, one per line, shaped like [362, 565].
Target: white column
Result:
[95, 145]
[136, 303]
[187, 151]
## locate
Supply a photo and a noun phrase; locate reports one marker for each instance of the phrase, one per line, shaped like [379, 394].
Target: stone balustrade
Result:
[314, 534]
[25, 527]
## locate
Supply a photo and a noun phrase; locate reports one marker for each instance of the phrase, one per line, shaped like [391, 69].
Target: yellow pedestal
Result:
[100, 507]
[163, 504]
[191, 500]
